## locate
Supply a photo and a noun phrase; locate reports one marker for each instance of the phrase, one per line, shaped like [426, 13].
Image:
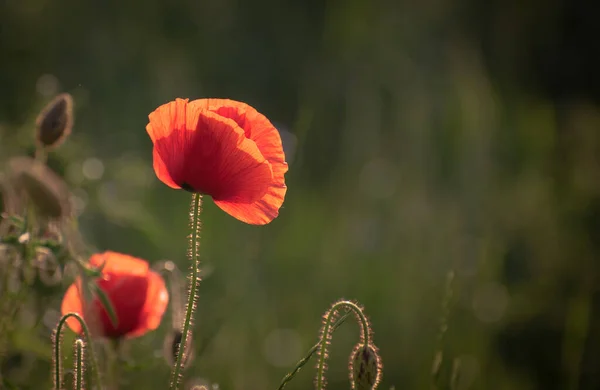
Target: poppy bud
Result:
[55, 121]
[365, 367]
[47, 191]
[171, 347]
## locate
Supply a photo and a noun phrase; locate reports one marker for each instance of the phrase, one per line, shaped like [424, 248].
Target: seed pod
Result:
[171, 347]
[47, 191]
[54, 123]
[365, 367]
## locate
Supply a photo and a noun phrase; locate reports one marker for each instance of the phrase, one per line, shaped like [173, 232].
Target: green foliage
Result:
[423, 139]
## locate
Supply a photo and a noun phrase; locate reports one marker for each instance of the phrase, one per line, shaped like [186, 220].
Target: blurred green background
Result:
[424, 138]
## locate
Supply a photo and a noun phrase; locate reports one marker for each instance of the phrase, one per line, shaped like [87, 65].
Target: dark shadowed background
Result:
[424, 138]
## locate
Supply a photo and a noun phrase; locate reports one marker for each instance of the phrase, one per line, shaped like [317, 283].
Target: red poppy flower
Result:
[222, 148]
[138, 296]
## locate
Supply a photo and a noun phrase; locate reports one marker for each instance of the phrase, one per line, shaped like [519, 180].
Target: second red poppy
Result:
[138, 296]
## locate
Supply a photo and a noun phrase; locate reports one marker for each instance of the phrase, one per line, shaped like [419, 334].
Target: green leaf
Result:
[106, 303]
[53, 245]
[15, 220]
[11, 239]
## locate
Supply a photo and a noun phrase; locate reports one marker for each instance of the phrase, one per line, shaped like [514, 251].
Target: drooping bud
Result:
[46, 190]
[365, 367]
[54, 123]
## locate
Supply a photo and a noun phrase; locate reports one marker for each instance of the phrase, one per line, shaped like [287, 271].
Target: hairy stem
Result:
[286, 379]
[41, 155]
[79, 347]
[327, 330]
[194, 278]
[58, 355]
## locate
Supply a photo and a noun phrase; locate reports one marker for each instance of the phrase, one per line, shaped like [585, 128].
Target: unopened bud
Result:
[55, 121]
[365, 367]
[171, 347]
[46, 190]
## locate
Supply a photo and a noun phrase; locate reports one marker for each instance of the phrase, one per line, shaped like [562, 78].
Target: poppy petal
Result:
[171, 128]
[266, 137]
[169, 117]
[212, 156]
[137, 294]
[222, 148]
[157, 299]
[72, 303]
[160, 168]
[255, 125]
[127, 294]
[260, 212]
[118, 263]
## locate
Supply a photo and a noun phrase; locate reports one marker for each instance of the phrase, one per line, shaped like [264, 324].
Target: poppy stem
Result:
[58, 355]
[194, 245]
[112, 357]
[327, 331]
[40, 154]
[310, 353]
[79, 348]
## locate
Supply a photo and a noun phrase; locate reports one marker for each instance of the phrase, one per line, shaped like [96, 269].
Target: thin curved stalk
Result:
[327, 331]
[79, 348]
[58, 355]
[286, 379]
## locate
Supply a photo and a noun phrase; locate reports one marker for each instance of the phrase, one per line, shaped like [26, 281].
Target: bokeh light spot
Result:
[92, 169]
[47, 85]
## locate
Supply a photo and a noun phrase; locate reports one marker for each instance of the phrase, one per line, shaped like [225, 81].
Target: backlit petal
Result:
[255, 125]
[118, 263]
[72, 303]
[260, 212]
[167, 118]
[157, 299]
[217, 159]
[222, 148]
[161, 170]
[266, 137]
[137, 294]
[127, 293]
[172, 129]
